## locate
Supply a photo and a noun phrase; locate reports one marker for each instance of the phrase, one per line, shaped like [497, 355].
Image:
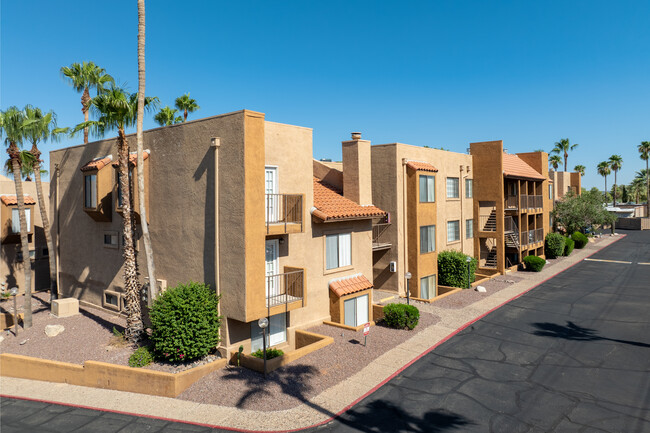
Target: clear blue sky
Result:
[441, 73]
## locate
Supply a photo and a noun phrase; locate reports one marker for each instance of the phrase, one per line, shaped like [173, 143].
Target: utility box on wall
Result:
[393, 266]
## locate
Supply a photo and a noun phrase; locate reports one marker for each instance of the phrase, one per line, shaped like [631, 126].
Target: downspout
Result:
[404, 228]
[460, 223]
[215, 143]
[57, 174]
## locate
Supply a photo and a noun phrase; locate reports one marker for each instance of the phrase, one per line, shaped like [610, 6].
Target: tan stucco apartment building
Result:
[563, 182]
[233, 201]
[512, 201]
[11, 262]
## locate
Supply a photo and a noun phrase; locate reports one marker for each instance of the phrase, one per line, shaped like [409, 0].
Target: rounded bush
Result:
[141, 357]
[401, 316]
[185, 322]
[534, 263]
[554, 245]
[580, 240]
[568, 246]
[452, 269]
[270, 353]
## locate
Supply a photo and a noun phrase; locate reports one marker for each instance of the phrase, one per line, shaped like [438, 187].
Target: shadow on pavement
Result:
[573, 332]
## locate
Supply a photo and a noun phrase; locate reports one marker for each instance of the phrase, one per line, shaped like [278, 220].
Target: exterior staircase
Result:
[512, 240]
[491, 223]
[491, 260]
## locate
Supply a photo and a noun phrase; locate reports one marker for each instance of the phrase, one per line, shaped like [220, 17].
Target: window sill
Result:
[430, 252]
[335, 270]
[453, 242]
[453, 198]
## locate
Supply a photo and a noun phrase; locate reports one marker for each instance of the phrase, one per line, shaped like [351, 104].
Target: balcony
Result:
[511, 202]
[531, 202]
[379, 239]
[283, 213]
[285, 292]
[532, 237]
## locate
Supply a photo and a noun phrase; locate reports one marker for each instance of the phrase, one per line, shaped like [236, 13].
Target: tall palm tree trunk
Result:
[134, 326]
[54, 292]
[615, 182]
[151, 269]
[605, 188]
[566, 158]
[24, 241]
[85, 104]
[647, 190]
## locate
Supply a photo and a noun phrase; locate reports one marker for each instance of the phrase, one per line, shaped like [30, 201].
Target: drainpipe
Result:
[404, 217]
[57, 174]
[462, 198]
[215, 143]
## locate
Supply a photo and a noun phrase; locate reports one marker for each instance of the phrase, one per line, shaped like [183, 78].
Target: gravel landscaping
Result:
[304, 378]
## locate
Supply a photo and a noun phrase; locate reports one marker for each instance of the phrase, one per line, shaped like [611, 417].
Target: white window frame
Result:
[427, 239]
[359, 309]
[430, 291]
[454, 184]
[343, 255]
[456, 232]
[276, 332]
[90, 191]
[427, 186]
[469, 228]
[469, 188]
[15, 219]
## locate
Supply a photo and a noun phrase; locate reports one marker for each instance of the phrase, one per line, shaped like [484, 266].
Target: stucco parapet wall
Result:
[103, 375]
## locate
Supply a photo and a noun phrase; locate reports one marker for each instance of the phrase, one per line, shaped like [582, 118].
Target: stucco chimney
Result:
[357, 183]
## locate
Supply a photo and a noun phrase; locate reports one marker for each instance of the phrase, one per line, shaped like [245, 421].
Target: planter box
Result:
[306, 342]
[7, 320]
[103, 375]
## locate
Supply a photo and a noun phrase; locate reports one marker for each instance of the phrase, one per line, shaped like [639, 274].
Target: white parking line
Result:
[608, 261]
[644, 263]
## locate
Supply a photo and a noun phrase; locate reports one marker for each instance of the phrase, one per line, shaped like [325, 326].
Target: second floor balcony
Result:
[285, 291]
[283, 213]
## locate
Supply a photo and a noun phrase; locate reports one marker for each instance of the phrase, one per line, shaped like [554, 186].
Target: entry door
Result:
[272, 268]
[271, 190]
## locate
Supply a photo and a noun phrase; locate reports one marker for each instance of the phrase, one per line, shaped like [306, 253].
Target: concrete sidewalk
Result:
[322, 408]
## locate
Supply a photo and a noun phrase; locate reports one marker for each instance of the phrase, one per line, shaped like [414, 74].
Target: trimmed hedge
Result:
[568, 246]
[270, 353]
[534, 263]
[554, 245]
[185, 322]
[452, 269]
[401, 316]
[580, 240]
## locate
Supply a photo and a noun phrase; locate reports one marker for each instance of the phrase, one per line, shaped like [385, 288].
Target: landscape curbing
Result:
[320, 410]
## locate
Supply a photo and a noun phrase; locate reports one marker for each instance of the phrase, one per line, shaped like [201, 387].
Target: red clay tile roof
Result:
[513, 166]
[346, 285]
[133, 158]
[11, 199]
[331, 205]
[421, 166]
[98, 163]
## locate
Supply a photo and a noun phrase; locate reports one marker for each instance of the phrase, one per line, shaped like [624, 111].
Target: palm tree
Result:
[82, 78]
[167, 116]
[604, 170]
[562, 147]
[555, 161]
[26, 164]
[42, 126]
[637, 188]
[644, 150]
[117, 109]
[615, 162]
[186, 105]
[151, 269]
[11, 126]
[580, 169]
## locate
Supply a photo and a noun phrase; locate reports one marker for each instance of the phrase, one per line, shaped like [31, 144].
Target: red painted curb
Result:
[346, 408]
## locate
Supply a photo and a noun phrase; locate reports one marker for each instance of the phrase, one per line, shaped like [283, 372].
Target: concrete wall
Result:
[12, 271]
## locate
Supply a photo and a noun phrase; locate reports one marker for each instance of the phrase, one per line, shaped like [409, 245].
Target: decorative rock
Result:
[24, 341]
[480, 289]
[1, 338]
[53, 330]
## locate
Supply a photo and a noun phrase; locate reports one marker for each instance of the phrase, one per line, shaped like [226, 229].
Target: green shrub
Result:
[580, 240]
[554, 245]
[452, 269]
[534, 263]
[141, 357]
[401, 316]
[270, 353]
[568, 246]
[185, 322]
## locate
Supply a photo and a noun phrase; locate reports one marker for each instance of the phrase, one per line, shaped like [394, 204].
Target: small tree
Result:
[578, 212]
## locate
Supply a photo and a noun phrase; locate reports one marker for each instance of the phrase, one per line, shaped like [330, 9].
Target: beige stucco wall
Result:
[562, 180]
[12, 272]
[388, 175]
